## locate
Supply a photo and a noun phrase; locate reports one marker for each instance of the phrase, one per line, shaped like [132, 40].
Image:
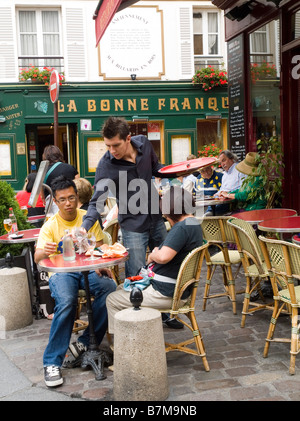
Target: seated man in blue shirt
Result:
[232, 179]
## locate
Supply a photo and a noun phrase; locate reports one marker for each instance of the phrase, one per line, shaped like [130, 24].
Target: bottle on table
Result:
[68, 247]
[14, 223]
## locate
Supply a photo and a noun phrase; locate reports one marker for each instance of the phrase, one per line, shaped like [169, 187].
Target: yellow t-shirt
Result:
[54, 230]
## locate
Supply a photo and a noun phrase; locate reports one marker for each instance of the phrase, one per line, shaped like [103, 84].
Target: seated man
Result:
[184, 236]
[64, 286]
[208, 181]
[232, 179]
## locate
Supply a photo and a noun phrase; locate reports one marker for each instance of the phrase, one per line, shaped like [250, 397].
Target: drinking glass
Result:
[91, 246]
[24, 210]
[7, 225]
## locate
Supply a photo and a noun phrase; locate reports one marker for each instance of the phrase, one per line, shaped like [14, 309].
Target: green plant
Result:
[36, 74]
[209, 150]
[270, 167]
[7, 200]
[209, 78]
[262, 71]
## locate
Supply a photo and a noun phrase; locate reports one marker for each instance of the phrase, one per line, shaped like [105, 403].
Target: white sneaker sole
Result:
[54, 383]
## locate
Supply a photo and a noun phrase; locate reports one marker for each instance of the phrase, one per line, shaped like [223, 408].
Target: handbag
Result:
[142, 280]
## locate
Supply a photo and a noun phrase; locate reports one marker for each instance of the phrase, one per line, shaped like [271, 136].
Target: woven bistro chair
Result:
[216, 232]
[253, 263]
[188, 277]
[283, 261]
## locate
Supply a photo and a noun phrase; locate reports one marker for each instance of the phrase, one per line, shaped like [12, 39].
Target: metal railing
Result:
[56, 62]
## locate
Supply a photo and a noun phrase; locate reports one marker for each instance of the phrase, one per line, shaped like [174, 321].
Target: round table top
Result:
[286, 224]
[256, 216]
[296, 239]
[82, 263]
[28, 236]
[188, 166]
[35, 218]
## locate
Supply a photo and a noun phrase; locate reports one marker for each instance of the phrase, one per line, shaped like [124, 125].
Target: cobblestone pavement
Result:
[238, 371]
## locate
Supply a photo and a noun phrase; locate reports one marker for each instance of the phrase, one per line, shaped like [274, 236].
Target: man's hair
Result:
[84, 189]
[53, 154]
[115, 126]
[177, 202]
[229, 154]
[62, 183]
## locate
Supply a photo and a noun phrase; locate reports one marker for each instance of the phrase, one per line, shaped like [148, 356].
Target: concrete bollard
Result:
[140, 365]
[15, 304]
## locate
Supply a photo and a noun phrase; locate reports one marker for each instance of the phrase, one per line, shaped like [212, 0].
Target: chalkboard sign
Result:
[236, 86]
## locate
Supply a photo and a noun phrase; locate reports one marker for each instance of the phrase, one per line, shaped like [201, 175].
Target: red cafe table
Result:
[84, 264]
[27, 236]
[296, 239]
[187, 167]
[288, 224]
[254, 217]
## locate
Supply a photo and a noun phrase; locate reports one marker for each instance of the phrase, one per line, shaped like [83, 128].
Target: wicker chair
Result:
[283, 261]
[188, 277]
[217, 232]
[253, 263]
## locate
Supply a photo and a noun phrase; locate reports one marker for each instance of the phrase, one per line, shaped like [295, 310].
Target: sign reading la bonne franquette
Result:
[132, 44]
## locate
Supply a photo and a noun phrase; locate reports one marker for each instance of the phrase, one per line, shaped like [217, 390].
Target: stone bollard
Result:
[15, 304]
[140, 365]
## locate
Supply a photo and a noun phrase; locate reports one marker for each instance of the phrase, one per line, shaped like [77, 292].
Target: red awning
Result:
[104, 13]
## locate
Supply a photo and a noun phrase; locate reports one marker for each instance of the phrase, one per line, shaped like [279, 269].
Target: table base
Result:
[96, 360]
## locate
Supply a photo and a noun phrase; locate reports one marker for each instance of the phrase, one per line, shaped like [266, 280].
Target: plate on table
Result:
[186, 167]
[16, 236]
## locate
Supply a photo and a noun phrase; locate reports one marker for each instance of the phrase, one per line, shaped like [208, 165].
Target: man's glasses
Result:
[63, 200]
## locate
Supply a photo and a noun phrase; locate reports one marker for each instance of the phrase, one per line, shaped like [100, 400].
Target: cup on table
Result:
[24, 209]
[7, 224]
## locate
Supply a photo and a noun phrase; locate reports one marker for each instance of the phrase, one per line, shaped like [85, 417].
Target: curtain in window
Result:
[212, 21]
[28, 36]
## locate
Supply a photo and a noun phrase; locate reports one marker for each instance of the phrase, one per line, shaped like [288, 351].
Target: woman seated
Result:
[185, 235]
[24, 195]
[251, 195]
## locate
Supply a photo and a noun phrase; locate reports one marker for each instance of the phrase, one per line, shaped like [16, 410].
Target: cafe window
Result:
[264, 74]
[212, 131]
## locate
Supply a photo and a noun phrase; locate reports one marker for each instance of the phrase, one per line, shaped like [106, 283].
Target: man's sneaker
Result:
[74, 354]
[52, 376]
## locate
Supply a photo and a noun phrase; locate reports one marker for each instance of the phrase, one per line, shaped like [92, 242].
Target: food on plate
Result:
[116, 250]
[96, 253]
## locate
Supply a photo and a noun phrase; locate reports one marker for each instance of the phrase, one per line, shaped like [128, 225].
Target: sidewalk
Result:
[238, 371]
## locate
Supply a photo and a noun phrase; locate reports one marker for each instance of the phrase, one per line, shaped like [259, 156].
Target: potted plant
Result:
[270, 168]
[209, 78]
[262, 71]
[209, 150]
[37, 75]
[7, 200]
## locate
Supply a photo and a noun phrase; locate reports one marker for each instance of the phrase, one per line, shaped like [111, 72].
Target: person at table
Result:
[57, 167]
[23, 197]
[208, 182]
[64, 286]
[232, 178]
[250, 196]
[185, 235]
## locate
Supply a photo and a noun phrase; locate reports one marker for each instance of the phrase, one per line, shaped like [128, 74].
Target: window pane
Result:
[212, 22]
[27, 21]
[28, 45]
[212, 44]
[198, 44]
[51, 45]
[197, 23]
[50, 22]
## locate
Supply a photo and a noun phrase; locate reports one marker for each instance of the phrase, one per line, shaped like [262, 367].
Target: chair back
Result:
[283, 261]
[247, 242]
[112, 229]
[189, 274]
[216, 230]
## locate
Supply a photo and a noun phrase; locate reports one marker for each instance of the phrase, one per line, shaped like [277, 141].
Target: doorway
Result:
[39, 136]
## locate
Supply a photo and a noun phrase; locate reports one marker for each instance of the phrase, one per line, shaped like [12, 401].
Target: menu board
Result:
[236, 97]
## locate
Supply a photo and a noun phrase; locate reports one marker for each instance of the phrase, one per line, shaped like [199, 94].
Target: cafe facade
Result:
[179, 118]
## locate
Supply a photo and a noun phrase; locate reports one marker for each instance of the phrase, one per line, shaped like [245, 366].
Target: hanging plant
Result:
[209, 150]
[36, 75]
[209, 78]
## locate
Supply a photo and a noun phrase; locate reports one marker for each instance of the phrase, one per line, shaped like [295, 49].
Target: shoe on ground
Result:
[208, 213]
[266, 291]
[171, 322]
[74, 355]
[52, 376]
